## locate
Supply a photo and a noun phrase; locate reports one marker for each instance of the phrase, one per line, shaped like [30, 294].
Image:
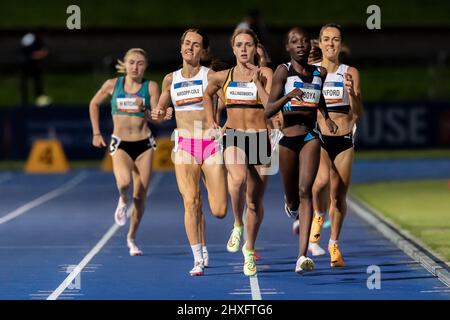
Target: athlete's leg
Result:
[256, 185]
[309, 164]
[289, 169]
[215, 182]
[341, 172]
[188, 178]
[320, 203]
[321, 184]
[235, 162]
[141, 180]
[122, 167]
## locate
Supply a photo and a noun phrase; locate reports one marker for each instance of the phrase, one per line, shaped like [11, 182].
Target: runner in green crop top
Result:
[132, 142]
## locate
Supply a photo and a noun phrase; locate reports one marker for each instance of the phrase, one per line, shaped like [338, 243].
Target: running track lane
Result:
[37, 247]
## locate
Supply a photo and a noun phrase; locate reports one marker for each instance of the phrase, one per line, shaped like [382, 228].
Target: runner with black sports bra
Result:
[343, 98]
[132, 142]
[297, 91]
[246, 140]
[194, 154]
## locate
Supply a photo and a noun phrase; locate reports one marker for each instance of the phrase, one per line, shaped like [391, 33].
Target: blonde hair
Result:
[120, 66]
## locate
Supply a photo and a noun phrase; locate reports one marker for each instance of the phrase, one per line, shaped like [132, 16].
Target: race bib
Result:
[310, 97]
[188, 92]
[128, 105]
[241, 93]
[333, 92]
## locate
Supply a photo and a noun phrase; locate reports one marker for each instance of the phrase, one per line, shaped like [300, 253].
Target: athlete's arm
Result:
[100, 97]
[215, 82]
[323, 105]
[352, 85]
[164, 101]
[276, 100]
[153, 90]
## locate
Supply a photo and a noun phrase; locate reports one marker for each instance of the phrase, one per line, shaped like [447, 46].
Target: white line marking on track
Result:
[42, 199]
[108, 235]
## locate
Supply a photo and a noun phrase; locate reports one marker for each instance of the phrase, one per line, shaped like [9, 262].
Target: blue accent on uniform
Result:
[188, 84]
[309, 137]
[313, 86]
[316, 73]
[119, 92]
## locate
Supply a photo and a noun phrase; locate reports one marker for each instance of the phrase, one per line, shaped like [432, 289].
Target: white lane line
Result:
[42, 199]
[256, 293]
[108, 235]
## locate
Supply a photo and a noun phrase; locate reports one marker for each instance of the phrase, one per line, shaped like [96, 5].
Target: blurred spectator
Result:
[33, 52]
[254, 21]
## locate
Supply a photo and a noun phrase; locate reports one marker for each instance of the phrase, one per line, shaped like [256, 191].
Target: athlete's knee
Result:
[254, 205]
[123, 184]
[338, 201]
[219, 210]
[320, 184]
[237, 180]
[192, 205]
[305, 192]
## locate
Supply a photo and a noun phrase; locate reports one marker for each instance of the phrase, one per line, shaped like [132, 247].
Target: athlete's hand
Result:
[295, 94]
[98, 142]
[349, 84]
[158, 114]
[257, 76]
[331, 126]
[214, 131]
[169, 114]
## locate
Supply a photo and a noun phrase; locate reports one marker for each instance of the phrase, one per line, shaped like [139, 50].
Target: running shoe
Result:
[335, 256]
[304, 264]
[316, 229]
[249, 261]
[257, 256]
[205, 259]
[197, 270]
[120, 216]
[134, 249]
[293, 214]
[235, 239]
[316, 249]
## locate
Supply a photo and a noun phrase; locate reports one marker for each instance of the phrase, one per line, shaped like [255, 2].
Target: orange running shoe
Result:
[336, 256]
[316, 229]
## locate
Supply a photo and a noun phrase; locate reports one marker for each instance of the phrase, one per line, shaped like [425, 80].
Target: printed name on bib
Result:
[128, 105]
[310, 97]
[241, 93]
[188, 92]
[333, 92]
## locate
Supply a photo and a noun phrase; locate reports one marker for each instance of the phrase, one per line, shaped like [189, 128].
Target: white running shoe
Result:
[134, 249]
[293, 214]
[120, 216]
[296, 227]
[197, 270]
[304, 264]
[205, 259]
[316, 249]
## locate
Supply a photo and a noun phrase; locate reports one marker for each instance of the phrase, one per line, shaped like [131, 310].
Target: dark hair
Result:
[299, 30]
[251, 33]
[331, 25]
[205, 39]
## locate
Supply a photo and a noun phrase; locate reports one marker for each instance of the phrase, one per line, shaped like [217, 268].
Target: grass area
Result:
[402, 154]
[403, 85]
[420, 207]
[144, 13]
